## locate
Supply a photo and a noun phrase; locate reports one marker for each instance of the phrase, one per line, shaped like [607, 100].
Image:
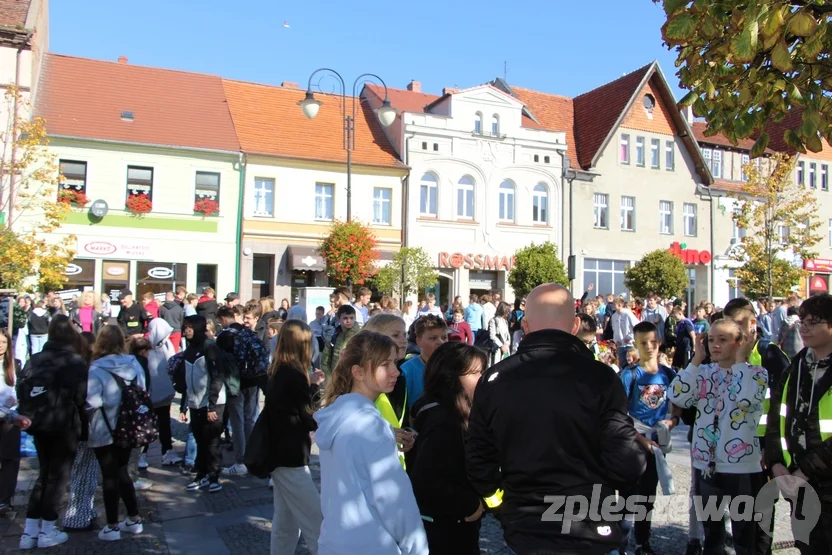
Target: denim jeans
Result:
[242, 411]
[38, 341]
[190, 449]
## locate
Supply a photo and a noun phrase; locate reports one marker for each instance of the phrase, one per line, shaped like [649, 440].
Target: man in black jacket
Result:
[131, 317]
[551, 421]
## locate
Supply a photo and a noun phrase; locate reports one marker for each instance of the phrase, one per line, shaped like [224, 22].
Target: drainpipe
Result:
[240, 200]
[14, 138]
[713, 252]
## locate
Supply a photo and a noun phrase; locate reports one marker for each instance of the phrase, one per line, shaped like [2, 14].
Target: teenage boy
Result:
[473, 314]
[343, 296]
[646, 384]
[623, 322]
[345, 330]
[655, 314]
[700, 323]
[797, 447]
[588, 333]
[431, 331]
[430, 307]
[362, 301]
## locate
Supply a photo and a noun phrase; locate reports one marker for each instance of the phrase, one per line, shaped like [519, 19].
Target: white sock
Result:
[32, 527]
[47, 526]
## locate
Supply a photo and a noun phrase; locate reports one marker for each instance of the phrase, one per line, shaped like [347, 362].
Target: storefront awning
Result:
[305, 258]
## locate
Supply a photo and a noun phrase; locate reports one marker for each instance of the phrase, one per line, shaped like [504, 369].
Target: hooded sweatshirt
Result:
[360, 469]
[207, 308]
[104, 393]
[38, 322]
[173, 314]
[161, 388]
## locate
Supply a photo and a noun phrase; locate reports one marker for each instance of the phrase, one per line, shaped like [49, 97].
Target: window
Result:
[783, 232]
[507, 201]
[739, 232]
[537, 158]
[801, 168]
[207, 187]
[601, 211]
[495, 125]
[478, 123]
[745, 160]
[465, 198]
[717, 164]
[427, 195]
[655, 145]
[669, 155]
[607, 275]
[665, 217]
[140, 181]
[323, 201]
[640, 151]
[545, 159]
[628, 213]
[624, 157]
[707, 155]
[436, 147]
[540, 204]
[689, 215]
[824, 177]
[263, 197]
[74, 176]
[381, 205]
[812, 168]
[734, 290]
[424, 145]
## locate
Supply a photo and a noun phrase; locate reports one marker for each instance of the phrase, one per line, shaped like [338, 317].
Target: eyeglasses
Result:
[810, 324]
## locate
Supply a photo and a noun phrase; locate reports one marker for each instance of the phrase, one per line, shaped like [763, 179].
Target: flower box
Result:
[207, 207]
[72, 197]
[138, 204]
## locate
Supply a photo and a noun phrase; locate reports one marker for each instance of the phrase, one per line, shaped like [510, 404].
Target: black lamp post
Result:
[571, 175]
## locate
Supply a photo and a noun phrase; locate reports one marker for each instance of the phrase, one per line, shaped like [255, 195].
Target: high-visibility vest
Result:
[495, 500]
[756, 359]
[824, 417]
[385, 407]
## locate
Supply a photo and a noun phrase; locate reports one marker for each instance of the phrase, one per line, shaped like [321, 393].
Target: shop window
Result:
[207, 188]
[116, 276]
[80, 277]
[140, 181]
[607, 275]
[159, 278]
[206, 276]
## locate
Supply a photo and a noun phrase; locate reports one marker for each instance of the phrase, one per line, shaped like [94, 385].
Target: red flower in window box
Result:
[207, 206]
[138, 204]
[75, 198]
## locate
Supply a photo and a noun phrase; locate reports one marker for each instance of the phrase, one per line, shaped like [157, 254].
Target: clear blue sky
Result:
[559, 46]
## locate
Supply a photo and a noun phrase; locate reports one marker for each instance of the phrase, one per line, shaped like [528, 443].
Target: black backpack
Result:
[40, 399]
[136, 424]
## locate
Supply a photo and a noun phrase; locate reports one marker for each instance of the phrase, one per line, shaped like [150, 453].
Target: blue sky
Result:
[558, 46]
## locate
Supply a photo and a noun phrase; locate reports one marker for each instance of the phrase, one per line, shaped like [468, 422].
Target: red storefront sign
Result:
[819, 284]
[818, 265]
[475, 261]
[689, 256]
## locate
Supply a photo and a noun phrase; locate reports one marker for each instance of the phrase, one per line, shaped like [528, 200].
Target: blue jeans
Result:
[190, 449]
[243, 411]
[38, 341]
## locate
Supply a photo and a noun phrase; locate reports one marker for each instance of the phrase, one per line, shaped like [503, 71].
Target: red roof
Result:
[86, 98]
[13, 12]
[718, 139]
[269, 121]
[554, 112]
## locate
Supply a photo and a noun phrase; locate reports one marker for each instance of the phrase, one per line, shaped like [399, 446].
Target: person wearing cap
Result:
[131, 317]
[232, 300]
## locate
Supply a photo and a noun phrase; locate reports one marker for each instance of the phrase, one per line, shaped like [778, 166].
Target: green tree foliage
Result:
[535, 265]
[411, 271]
[658, 272]
[746, 62]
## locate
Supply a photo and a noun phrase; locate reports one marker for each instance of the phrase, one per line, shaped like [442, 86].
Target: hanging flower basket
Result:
[138, 204]
[75, 198]
[207, 207]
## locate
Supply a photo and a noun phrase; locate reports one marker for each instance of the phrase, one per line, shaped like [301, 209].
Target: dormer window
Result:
[649, 104]
[495, 125]
[478, 123]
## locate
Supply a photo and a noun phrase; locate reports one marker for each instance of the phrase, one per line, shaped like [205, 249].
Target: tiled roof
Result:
[554, 112]
[269, 121]
[597, 111]
[85, 98]
[729, 186]
[718, 139]
[13, 12]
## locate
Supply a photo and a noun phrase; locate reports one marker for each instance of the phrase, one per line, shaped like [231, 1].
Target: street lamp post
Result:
[386, 115]
[571, 175]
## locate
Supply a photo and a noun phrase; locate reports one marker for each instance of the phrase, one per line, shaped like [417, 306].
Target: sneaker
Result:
[214, 487]
[110, 534]
[133, 527]
[28, 542]
[645, 550]
[198, 484]
[171, 458]
[142, 484]
[142, 461]
[235, 470]
[694, 548]
[55, 537]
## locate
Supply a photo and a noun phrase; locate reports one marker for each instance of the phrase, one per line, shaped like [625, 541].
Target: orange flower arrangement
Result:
[139, 204]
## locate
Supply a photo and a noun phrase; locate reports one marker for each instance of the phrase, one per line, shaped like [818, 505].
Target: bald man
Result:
[551, 421]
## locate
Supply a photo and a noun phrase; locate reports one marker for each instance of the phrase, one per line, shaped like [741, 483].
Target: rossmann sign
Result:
[475, 261]
[689, 256]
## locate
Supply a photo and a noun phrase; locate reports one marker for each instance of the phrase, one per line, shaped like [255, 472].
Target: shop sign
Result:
[160, 273]
[475, 261]
[818, 283]
[818, 265]
[114, 248]
[689, 256]
[73, 269]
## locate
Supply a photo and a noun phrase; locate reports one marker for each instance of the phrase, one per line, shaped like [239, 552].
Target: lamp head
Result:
[310, 105]
[386, 114]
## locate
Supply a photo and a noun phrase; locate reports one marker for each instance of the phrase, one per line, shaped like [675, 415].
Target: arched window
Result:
[478, 123]
[465, 198]
[495, 125]
[428, 192]
[540, 204]
[507, 201]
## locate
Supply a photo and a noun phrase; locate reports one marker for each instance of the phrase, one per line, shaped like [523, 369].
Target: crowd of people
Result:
[426, 418]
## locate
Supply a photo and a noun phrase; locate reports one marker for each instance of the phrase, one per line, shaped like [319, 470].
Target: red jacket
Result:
[464, 330]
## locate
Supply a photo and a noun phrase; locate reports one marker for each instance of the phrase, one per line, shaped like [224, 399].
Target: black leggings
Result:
[9, 461]
[163, 425]
[207, 435]
[117, 483]
[55, 456]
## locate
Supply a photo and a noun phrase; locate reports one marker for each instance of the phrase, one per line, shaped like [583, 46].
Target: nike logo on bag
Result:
[143, 409]
[37, 390]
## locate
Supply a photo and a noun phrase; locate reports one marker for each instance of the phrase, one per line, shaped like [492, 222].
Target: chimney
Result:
[449, 90]
[414, 86]
[122, 59]
[289, 85]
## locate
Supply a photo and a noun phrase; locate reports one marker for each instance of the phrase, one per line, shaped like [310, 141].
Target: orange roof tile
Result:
[85, 98]
[554, 112]
[269, 121]
[13, 12]
[718, 139]
[729, 186]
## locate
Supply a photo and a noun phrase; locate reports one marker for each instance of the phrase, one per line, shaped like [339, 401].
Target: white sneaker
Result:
[110, 534]
[235, 470]
[142, 461]
[128, 525]
[28, 542]
[55, 537]
[142, 484]
[171, 458]
[271, 483]
[198, 484]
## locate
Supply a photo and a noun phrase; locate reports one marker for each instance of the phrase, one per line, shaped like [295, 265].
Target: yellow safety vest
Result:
[495, 500]
[756, 359]
[824, 417]
[385, 407]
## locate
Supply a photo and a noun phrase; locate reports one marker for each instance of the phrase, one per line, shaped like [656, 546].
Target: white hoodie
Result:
[104, 393]
[366, 497]
[160, 386]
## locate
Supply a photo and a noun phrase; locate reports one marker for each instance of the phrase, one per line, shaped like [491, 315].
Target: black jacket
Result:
[38, 325]
[262, 327]
[132, 320]
[208, 309]
[289, 402]
[550, 420]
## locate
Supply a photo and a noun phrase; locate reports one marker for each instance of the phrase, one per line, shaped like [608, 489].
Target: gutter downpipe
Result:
[239, 239]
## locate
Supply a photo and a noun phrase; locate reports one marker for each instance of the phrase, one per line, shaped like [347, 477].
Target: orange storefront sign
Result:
[475, 261]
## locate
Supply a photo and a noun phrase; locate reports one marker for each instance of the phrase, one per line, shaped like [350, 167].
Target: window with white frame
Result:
[263, 197]
[601, 210]
[628, 213]
[507, 201]
[707, 154]
[655, 145]
[478, 123]
[669, 155]
[323, 201]
[207, 187]
[689, 215]
[540, 204]
[783, 232]
[665, 217]
[738, 232]
[381, 205]
[801, 168]
[428, 189]
[824, 177]
[465, 198]
[495, 125]
[73, 176]
[717, 164]
[734, 289]
[745, 160]
[624, 156]
[140, 181]
[640, 151]
[812, 168]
